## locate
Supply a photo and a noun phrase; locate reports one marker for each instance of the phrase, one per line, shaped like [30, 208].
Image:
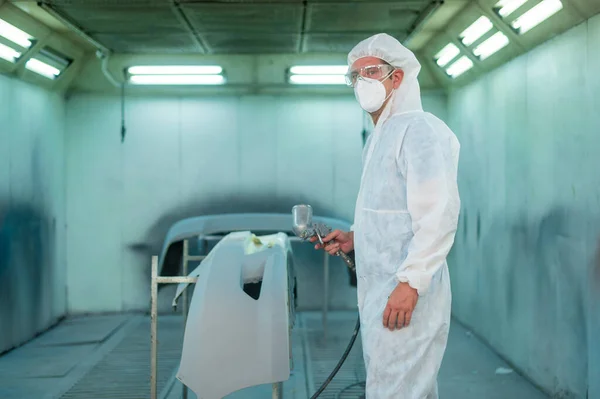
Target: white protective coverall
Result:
[405, 221]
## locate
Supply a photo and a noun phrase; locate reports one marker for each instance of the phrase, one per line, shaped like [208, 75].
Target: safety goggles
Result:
[376, 72]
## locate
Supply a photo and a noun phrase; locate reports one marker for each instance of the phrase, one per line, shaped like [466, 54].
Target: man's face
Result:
[375, 68]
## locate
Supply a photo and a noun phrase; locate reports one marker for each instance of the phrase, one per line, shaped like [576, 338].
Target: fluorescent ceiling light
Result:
[54, 58]
[176, 75]
[177, 79]
[446, 54]
[175, 70]
[492, 45]
[319, 70]
[15, 34]
[507, 7]
[537, 15]
[318, 79]
[8, 53]
[42, 68]
[461, 66]
[476, 30]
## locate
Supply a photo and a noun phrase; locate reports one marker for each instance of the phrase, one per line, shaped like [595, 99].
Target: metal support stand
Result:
[153, 325]
[155, 280]
[185, 299]
[325, 292]
[277, 390]
[186, 303]
[154, 320]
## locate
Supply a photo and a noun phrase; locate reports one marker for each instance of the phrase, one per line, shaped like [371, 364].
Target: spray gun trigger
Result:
[320, 239]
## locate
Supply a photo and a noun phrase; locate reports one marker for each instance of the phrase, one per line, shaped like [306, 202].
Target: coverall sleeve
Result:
[429, 162]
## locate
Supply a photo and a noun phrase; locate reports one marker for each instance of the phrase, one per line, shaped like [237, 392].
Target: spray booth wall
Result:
[525, 273]
[32, 214]
[185, 157]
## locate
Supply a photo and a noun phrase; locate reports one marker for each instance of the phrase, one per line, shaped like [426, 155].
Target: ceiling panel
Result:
[276, 26]
[439, 20]
[149, 42]
[360, 17]
[248, 43]
[240, 18]
[587, 7]
[105, 3]
[436, 23]
[123, 19]
[339, 43]
[244, 26]
[257, 2]
[376, 3]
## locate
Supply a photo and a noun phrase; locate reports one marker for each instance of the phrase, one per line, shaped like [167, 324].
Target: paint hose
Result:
[340, 362]
[303, 227]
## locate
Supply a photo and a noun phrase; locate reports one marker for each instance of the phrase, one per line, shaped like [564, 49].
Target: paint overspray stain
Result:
[543, 270]
[465, 224]
[27, 271]
[478, 226]
[27, 241]
[596, 270]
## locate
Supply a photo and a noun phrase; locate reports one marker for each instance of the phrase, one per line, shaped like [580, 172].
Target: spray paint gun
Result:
[304, 228]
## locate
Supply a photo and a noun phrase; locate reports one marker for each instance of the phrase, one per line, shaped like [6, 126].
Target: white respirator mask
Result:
[370, 93]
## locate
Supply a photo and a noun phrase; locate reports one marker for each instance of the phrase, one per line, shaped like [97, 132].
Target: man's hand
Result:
[343, 241]
[400, 306]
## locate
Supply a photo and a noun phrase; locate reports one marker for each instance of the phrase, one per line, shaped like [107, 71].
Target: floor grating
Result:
[124, 373]
[118, 365]
[325, 352]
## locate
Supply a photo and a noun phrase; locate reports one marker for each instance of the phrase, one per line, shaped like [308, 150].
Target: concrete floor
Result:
[97, 357]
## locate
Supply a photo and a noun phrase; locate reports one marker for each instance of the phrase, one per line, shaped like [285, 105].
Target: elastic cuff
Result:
[414, 282]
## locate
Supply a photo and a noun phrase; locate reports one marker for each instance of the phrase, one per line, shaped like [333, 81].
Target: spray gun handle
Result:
[321, 230]
[346, 259]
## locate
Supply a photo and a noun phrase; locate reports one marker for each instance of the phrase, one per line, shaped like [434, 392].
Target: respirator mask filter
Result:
[370, 93]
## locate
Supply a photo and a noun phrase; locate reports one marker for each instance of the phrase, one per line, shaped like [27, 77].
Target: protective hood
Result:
[407, 97]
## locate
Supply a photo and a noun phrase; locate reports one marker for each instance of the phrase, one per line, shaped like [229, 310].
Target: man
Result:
[404, 225]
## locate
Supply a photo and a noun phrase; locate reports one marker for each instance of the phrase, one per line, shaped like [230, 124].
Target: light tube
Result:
[8, 53]
[537, 15]
[446, 54]
[15, 34]
[507, 7]
[42, 68]
[319, 70]
[318, 79]
[461, 66]
[492, 45]
[476, 30]
[52, 55]
[175, 70]
[177, 79]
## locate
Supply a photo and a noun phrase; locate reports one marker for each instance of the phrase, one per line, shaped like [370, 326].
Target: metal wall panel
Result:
[529, 225]
[32, 219]
[593, 105]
